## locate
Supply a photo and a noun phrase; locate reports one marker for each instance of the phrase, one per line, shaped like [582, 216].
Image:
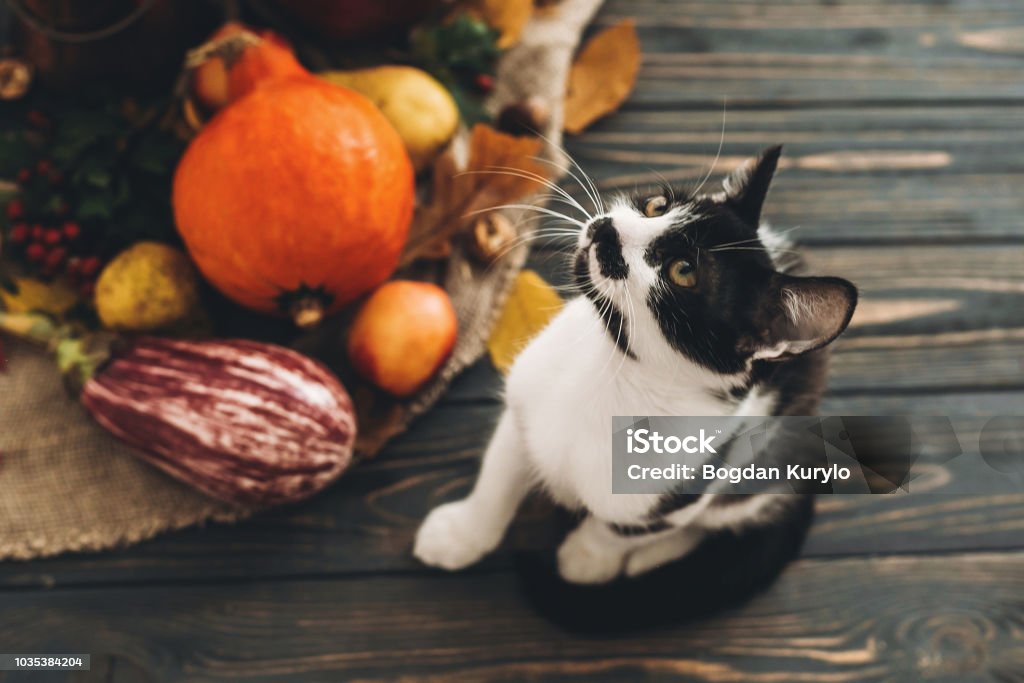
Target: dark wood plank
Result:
[840, 620]
[954, 361]
[803, 51]
[366, 522]
[935, 317]
[848, 175]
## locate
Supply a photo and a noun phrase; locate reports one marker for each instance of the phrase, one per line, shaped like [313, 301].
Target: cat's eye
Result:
[682, 273]
[655, 206]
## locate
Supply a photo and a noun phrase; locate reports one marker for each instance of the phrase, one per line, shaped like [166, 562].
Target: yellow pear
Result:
[415, 103]
[148, 286]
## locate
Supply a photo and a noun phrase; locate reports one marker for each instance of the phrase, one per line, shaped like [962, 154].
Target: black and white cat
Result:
[690, 307]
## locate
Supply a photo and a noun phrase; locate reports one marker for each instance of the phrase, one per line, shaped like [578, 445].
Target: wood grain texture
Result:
[800, 52]
[848, 175]
[903, 127]
[931, 317]
[366, 522]
[858, 619]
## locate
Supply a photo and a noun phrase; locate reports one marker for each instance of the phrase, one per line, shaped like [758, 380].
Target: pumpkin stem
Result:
[229, 48]
[307, 312]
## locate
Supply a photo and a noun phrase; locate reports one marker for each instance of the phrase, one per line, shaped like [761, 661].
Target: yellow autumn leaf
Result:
[507, 17]
[602, 76]
[531, 305]
[54, 298]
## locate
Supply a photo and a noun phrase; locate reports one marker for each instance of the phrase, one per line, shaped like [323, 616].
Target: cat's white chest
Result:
[564, 390]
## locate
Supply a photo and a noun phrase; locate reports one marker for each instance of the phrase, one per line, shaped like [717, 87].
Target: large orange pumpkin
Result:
[296, 199]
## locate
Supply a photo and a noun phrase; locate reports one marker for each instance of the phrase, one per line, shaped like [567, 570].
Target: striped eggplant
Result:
[243, 421]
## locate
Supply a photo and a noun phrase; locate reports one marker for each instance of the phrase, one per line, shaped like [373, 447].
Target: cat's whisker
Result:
[527, 239]
[774, 250]
[630, 326]
[779, 233]
[544, 232]
[730, 244]
[566, 202]
[528, 207]
[568, 171]
[681, 352]
[718, 154]
[670, 191]
[539, 179]
[595, 199]
[592, 192]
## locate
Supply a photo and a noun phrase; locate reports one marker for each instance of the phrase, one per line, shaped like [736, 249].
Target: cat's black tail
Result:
[726, 569]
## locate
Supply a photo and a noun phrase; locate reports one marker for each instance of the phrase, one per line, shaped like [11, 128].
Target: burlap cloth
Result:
[66, 485]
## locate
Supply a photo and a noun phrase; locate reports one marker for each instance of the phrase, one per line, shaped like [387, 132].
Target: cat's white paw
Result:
[661, 551]
[452, 537]
[581, 560]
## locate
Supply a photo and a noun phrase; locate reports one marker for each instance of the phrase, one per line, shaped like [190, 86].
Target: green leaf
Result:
[88, 124]
[54, 204]
[65, 152]
[123, 193]
[98, 177]
[156, 154]
[15, 153]
[95, 206]
[455, 53]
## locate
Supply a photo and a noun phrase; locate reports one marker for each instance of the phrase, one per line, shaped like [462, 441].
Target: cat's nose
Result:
[608, 249]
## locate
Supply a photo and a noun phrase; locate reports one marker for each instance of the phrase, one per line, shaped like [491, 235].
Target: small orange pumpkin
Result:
[235, 59]
[296, 199]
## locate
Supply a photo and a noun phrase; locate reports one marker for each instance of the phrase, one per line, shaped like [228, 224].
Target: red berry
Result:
[72, 230]
[19, 233]
[90, 266]
[44, 166]
[56, 177]
[485, 82]
[87, 288]
[35, 252]
[38, 119]
[52, 236]
[37, 233]
[55, 257]
[73, 266]
[15, 209]
[24, 175]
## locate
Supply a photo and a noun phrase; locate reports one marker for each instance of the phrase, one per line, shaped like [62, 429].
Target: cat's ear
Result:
[744, 190]
[807, 314]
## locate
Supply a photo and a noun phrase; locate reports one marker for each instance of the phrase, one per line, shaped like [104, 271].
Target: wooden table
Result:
[903, 125]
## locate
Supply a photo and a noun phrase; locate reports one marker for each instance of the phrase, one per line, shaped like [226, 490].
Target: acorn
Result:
[492, 234]
[528, 117]
[15, 78]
